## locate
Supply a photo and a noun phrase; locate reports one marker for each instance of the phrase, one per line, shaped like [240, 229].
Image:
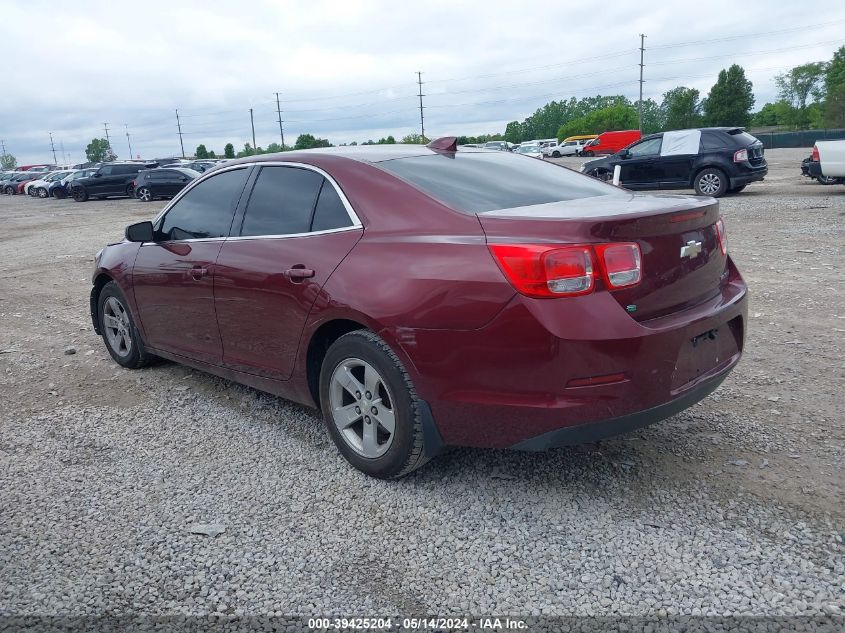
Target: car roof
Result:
[360, 153]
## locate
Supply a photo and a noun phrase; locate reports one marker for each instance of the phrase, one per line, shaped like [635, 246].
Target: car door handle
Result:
[198, 272]
[299, 273]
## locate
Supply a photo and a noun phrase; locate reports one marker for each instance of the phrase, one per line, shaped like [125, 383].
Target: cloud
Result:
[346, 70]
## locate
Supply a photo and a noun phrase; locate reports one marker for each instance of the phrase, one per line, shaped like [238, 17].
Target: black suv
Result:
[164, 182]
[713, 161]
[110, 179]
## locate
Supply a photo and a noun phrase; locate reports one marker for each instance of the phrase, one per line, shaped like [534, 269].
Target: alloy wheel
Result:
[144, 194]
[709, 183]
[362, 408]
[42, 193]
[117, 327]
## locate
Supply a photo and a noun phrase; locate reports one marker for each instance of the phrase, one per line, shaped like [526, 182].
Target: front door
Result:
[294, 232]
[642, 169]
[173, 278]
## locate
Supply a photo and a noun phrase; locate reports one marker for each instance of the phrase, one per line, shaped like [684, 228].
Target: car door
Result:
[173, 277]
[680, 151]
[641, 167]
[295, 230]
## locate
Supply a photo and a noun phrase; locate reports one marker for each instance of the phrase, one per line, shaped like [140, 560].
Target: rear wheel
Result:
[555, 154]
[144, 194]
[9, 191]
[827, 180]
[122, 339]
[602, 174]
[711, 182]
[370, 407]
[79, 194]
[130, 191]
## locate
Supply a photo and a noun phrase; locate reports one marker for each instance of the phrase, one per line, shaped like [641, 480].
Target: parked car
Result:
[40, 187]
[712, 161]
[610, 142]
[534, 151]
[111, 179]
[162, 182]
[482, 329]
[502, 146]
[827, 162]
[564, 148]
[13, 185]
[61, 189]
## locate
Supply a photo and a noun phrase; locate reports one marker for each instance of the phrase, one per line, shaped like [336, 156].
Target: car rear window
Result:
[476, 182]
[743, 138]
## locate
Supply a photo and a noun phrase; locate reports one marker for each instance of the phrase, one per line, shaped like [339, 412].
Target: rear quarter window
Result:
[476, 182]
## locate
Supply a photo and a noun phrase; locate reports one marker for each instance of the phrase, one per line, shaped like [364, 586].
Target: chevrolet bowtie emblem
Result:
[691, 249]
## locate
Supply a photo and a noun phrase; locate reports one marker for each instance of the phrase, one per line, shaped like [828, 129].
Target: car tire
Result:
[60, 193]
[555, 154]
[710, 181]
[144, 194]
[9, 191]
[79, 194]
[737, 189]
[130, 191]
[827, 180]
[355, 416]
[602, 174]
[42, 193]
[117, 327]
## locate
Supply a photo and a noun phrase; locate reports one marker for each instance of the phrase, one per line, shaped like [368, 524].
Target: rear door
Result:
[173, 277]
[295, 230]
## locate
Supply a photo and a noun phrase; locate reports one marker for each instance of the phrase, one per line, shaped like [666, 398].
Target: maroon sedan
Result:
[425, 297]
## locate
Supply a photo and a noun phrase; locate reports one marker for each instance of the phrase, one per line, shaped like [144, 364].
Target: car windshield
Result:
[478, 182]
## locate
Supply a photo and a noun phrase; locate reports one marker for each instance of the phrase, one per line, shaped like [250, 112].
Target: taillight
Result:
[741, 156]
[622, 264]
[542, 270]
[815, 155]
[722, 236]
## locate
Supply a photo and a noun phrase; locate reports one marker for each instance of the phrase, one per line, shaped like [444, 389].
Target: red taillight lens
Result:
[538, 270]
[722, 235]
[542, 270]
[622, 264]
[741, 156]
[815, 155]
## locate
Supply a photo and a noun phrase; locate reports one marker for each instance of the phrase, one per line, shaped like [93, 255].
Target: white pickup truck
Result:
[828, 160]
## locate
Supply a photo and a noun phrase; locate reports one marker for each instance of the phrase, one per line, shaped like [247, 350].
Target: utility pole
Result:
[3, 145]
[640, 103]
[53, 147]
[179, 127]
[279, 112]
[422, 120]
[252, 123]
[108, 141]
[128, 142]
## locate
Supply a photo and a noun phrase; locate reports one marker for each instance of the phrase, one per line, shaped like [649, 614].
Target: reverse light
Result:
[544, 270]
[622, 264]
[722, 235]
[741, 156]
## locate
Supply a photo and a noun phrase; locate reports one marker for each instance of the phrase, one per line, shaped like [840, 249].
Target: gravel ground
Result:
[732, 507]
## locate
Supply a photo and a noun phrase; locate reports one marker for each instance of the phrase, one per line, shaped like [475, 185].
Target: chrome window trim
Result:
[353, 217]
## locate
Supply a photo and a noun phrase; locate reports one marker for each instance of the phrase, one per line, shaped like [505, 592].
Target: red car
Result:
[424, 297]
[611, 142]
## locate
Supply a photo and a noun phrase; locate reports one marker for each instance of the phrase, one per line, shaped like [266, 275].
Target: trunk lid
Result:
[682, 263]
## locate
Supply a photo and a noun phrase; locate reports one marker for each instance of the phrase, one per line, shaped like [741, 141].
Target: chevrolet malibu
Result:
[426, 296]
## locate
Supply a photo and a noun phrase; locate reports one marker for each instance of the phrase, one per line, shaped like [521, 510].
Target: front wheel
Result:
[144, 194]
[122, 339]
[370, 407]
[42, 192]
[555, 154]
[9, 191]
[711, 182]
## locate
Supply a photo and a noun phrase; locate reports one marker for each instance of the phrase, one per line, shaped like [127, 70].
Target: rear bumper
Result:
[814, 169]
[749, 175]
[510, 383]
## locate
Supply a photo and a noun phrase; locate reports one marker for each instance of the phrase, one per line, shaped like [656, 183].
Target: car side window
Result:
[282, 201]
[330, 212]
[106, 171]
[651, 147]
[206, 210]
[711, 141]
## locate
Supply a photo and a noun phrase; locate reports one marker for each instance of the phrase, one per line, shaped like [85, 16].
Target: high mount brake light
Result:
[722, 235]
[548, 270]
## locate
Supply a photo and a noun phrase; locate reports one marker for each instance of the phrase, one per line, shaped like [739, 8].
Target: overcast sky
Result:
[346, 69]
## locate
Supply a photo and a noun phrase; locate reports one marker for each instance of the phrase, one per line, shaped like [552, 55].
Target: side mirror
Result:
[96, 175]
[140, 232]
[624, 153]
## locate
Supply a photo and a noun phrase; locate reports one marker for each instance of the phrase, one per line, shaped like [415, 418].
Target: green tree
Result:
[201, 151]
[387, 141]
[834, 83]
[248, 150]
[652, 117]
[99, 151]
[7, 161]
[229, 151]
[613, 117]
[212, 154]
[797, 85]
[274, 148]
[414, 139]
[779, 113]
[309, 141]
[681, 108]
[730, 100]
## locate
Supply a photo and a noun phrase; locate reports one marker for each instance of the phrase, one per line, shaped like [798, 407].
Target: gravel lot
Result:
[733, 507]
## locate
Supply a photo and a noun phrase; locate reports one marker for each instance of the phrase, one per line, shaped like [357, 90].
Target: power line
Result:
[749, 35]
[766, 52]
